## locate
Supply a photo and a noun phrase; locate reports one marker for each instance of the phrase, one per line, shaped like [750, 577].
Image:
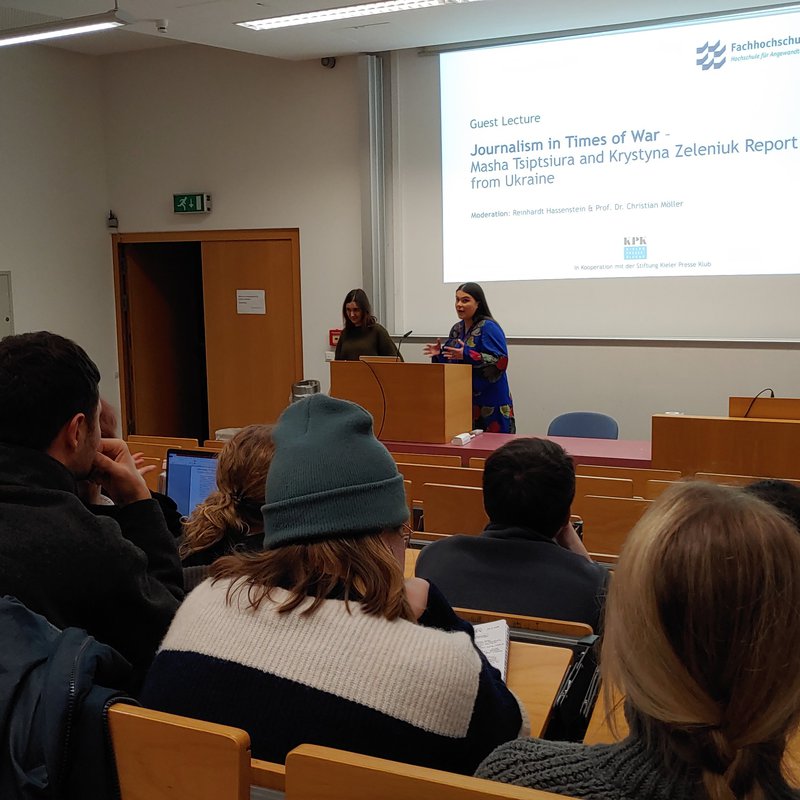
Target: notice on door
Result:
[251, 301]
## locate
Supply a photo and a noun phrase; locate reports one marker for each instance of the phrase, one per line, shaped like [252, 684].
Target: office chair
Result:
[585, 425]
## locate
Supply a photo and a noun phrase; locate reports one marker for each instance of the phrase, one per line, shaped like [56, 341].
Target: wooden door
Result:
[252, 359]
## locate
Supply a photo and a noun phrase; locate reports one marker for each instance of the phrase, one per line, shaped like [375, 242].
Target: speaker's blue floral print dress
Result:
[485, 349]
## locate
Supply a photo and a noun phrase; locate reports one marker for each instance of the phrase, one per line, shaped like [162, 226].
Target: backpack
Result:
[55, 690]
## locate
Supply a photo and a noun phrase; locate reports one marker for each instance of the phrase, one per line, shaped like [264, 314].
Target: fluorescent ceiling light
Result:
[346, 12]
[64, 27]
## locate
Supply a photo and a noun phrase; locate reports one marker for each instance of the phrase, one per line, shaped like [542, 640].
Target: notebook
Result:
[492, 639]
[191, 477]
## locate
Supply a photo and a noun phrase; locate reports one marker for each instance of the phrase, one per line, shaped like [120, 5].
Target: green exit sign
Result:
[191, 203]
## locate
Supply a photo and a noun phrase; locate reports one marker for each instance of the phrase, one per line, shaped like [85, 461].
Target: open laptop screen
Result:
[191, 477]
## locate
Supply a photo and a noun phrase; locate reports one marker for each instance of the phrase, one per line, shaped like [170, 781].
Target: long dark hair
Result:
[359, 297]
[475, 290]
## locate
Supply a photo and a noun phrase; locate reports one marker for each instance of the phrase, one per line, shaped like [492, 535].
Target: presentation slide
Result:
[666, 152]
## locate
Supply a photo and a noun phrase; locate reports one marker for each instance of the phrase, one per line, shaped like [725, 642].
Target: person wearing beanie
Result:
[319, 639]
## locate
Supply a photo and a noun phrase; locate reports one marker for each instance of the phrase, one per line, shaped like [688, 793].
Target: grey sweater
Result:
[624, 771]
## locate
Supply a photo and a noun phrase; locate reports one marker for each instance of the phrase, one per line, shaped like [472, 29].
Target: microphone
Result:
[400, 343]
[771, 394]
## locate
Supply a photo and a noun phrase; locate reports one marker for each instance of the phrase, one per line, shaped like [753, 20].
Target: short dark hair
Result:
[45, 380]
[781, 495]
[359, 297]
[475, 291]
[529, 483]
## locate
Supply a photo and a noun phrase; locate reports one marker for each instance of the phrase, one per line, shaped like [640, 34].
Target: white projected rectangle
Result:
[672, 151]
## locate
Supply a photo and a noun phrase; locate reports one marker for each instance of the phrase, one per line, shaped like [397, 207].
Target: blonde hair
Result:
[358, 568]
[235, 506]
[702, 636]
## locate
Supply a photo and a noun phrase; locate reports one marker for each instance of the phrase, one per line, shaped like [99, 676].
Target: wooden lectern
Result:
[428, 403]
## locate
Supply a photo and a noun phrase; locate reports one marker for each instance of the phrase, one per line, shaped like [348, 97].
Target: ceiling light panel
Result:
[346, 12]
[63, 27]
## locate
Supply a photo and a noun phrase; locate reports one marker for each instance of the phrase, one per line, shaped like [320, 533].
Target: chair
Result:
[420, 474]
[322, 773]
[167, 441]
[586, 485]
[427, 458]
[574, 630]
[654, 489]
[737, 480]
[412, 554]
[153, 477]
[151, 449]
[428, 536]
[608, 520]
[584, 425]
[453, 509]
[638, 475]
[214, 444]
[166, 757]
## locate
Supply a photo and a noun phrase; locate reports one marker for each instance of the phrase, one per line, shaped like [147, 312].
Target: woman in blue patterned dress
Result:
[476, 339]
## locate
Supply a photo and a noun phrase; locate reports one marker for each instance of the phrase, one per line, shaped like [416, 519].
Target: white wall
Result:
[54, 200]
[274, 142]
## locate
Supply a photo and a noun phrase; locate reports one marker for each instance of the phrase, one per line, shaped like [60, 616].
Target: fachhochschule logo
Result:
[711, 56]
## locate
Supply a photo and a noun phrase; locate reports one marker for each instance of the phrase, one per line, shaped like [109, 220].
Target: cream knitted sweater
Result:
[420, 693]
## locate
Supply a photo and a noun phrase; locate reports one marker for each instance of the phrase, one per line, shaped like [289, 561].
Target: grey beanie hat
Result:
[329, 475]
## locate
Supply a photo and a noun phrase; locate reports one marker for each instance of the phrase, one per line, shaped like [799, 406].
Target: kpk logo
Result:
[634, 248]
[711, 55]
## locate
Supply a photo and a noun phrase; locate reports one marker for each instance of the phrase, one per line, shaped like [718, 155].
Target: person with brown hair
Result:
[362, 335]
[319, 638]
[702, 638]
[230, 518]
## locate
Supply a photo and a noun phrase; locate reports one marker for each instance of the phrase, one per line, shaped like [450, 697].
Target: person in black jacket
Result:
[119, 579]
[528, 560]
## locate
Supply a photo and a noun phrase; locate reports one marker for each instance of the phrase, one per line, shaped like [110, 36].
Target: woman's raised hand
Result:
[455, 352]
[434, 349]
